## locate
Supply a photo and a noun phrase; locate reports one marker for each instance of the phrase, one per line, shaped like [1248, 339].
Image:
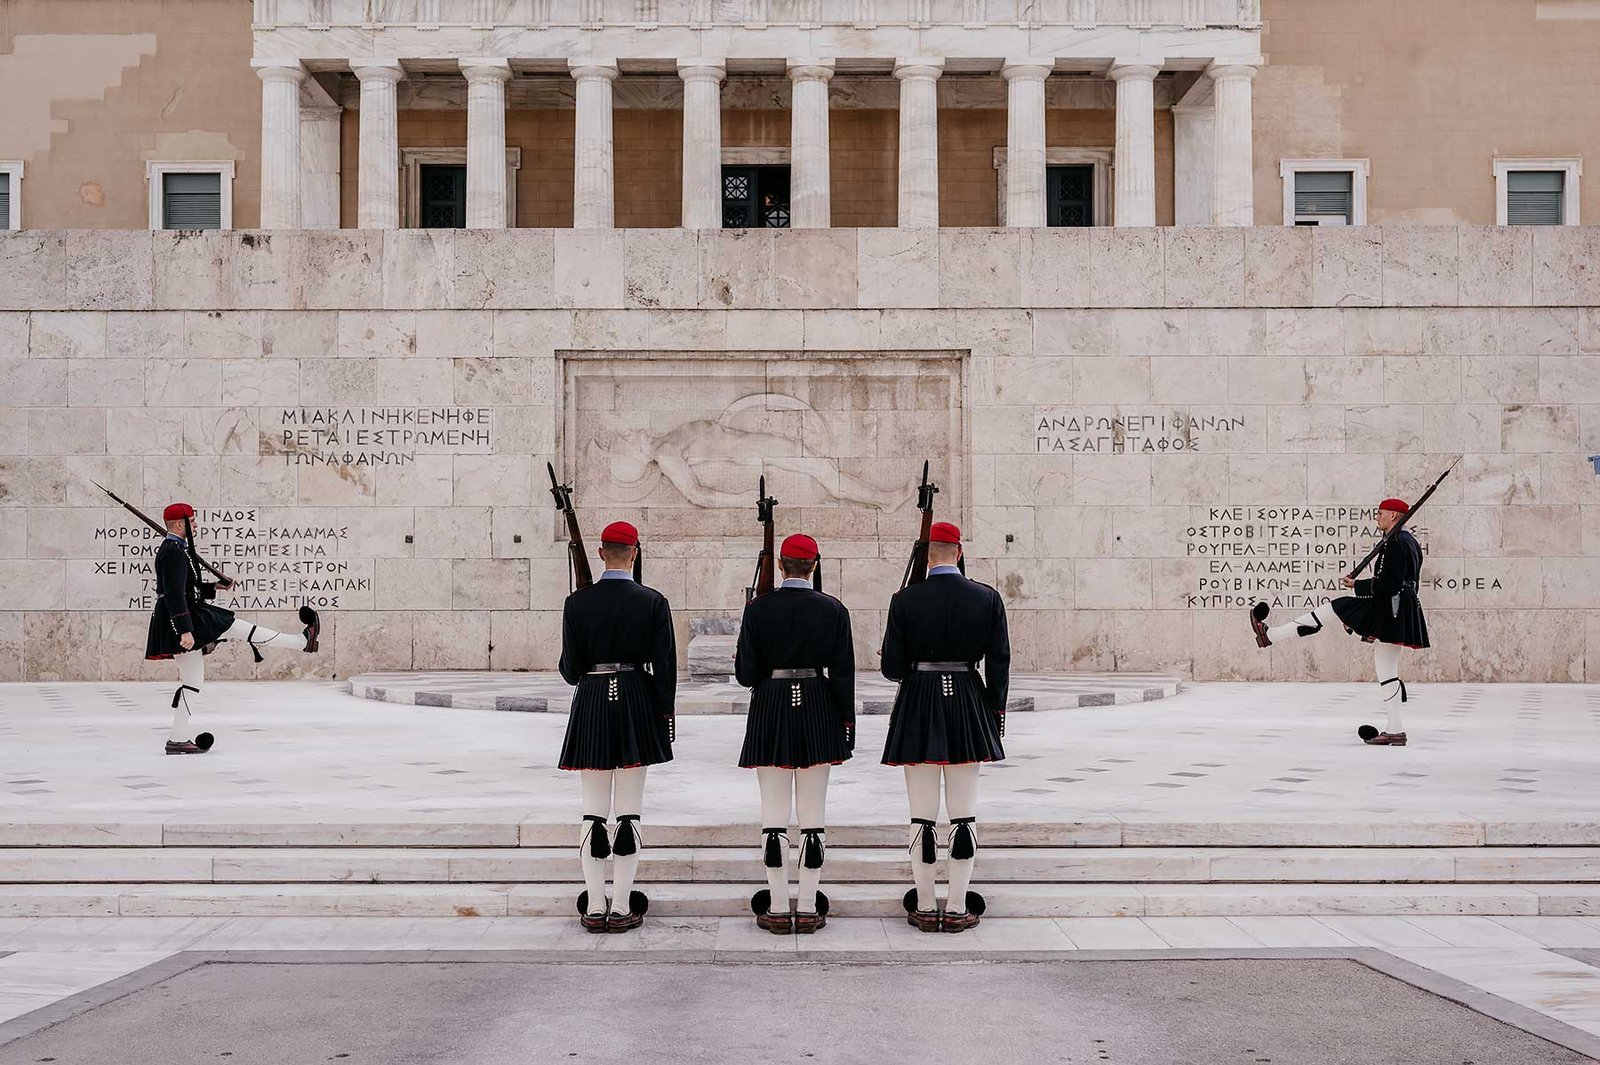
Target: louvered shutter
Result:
[1325, 193]
[1533, 197]
[5, 201]
[191, 201]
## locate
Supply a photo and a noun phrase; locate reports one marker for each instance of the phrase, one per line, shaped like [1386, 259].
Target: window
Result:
[755, 197]
[444, 197]
[1070, 192]
[10, 194]
[1077, 186]
[190, 195]
[1324, 192]
[433, 187]
[1537, 192]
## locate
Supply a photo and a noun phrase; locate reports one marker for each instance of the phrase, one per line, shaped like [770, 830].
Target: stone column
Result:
[1194, 158]
[319, 166]
[280, 143]
[919, 140]
[1025, 174]
[593, 191]
[1233, 177]
[1135, 161]
[702, 142]
[378, 174]
[810, 184]
[486, 141]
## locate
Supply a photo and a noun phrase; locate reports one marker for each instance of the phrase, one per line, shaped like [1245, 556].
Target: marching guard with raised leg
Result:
[947, 719]
[185, 625]
[797, 656]
[618, 649]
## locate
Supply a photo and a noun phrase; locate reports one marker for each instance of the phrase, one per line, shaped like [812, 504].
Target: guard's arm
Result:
[664, 662]
[842, 675]
[748, 669]
[997, 663]
[572, 664]
[894, 663]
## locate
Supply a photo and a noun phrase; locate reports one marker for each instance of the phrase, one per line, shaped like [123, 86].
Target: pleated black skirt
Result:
[1376, 619]
[783, 734]
[933, 724]
[210, 623]
[615, 724]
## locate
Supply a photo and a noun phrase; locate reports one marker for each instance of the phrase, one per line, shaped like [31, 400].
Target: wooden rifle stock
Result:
[917, 564]
[1377, 548]
[765, 579]
[577, 557]
[162, 529]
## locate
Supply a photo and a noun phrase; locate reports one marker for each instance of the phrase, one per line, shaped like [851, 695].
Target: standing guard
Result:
[946, 720]
[618, 649]
[797, 656]
[186, 626]
[1384, 611]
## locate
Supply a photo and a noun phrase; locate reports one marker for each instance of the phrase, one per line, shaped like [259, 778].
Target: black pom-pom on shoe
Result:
[976, 904]
[910, 901]
[1367, 732]
[204, 741]
[1258, 624]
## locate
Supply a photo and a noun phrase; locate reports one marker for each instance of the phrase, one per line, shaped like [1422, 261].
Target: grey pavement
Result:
[1152, 1012]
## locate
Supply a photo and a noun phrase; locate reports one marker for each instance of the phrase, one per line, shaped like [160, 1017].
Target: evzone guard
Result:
[618, 649]
[797, 656]
[185, 625]
[1383, 610]
[947, 720]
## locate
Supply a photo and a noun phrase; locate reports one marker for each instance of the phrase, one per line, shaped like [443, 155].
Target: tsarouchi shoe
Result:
[623, 922]
[924, 920]
[807, 923]
[958, 922]
[1258, 624]
[185, 747]
[1382, 739]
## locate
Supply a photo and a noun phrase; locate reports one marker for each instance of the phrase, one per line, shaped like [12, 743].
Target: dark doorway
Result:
[444, 197]
[1070, 192]
[755, 197]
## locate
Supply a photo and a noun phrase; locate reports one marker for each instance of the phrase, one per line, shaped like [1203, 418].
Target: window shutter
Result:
[1533, 197]
[5, 201]
[1325, 192]
[191, 201]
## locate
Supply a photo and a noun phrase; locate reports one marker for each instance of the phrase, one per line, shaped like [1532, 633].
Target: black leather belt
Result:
[944, 667]
[612, 667]
[794, 674]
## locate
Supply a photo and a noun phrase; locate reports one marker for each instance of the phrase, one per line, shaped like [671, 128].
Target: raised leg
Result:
[594, 846]
[629, 804]
[961, 800]
[1305, 625]
[259, 636]
[922, 794]
[811, 800]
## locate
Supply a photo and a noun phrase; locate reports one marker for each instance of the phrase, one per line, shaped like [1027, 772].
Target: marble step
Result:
[714, 865]
[314, 828]
[849, 900]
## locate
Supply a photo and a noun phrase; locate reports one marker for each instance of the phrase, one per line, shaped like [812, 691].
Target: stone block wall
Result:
[1141, 431]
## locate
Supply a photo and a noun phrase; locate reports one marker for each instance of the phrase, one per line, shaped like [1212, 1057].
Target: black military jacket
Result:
[620, 621]
[949, 618]
[799, 628]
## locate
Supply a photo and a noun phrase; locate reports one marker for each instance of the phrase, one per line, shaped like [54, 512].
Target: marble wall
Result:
[1140, 430]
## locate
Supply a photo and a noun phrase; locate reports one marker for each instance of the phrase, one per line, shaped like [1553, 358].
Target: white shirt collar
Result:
[616, 575]
[795, 582]
[940, 571]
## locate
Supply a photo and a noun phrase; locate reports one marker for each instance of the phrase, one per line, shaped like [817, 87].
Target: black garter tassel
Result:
[930, 845]
[811, 848]
[963, 844]
[772, 856]
[599, 846]
[251, 640]
[627, 841]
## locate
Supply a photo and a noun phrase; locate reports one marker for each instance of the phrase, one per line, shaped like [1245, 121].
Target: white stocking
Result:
[811, 800]
[1315, 621]
[777, 793]
[596, 784]
[261, 636]
[1386, 664]
[922, 795]
[186, 699]
[961, 801]
[629, 805]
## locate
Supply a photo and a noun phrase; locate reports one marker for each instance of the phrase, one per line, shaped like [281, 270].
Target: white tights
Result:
[604, 789]
[1385, 661]
[192, 672]
[961, 801]
[784, 791]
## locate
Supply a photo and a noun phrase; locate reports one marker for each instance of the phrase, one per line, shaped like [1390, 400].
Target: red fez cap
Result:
[177, 512]
[1399, 506]
[801, 547]
[943, 532]
[620, 532]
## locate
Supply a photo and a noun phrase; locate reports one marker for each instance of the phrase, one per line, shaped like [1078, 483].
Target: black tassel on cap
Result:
[811, 849]
[638, 565]
[963, 844]
[929, 845]
[816, 574]
[772, 854]
[599, 846]
[627, 841]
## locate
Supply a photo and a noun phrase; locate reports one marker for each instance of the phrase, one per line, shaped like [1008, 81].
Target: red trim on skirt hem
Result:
[813, 765]
[607, 769]
[975, 761]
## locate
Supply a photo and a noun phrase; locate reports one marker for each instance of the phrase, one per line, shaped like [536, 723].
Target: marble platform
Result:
[548, 693]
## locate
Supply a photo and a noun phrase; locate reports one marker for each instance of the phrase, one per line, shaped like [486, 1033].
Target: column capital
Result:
[276, 70]
[1137, 69]
[1026, 68]
[702, 69]
[810, 69]
[378, 70]
[1232, 70]
[481, 69]
[593, 68]
[919, 67]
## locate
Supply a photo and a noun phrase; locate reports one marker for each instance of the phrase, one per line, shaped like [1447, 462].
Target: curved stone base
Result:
[547, 693]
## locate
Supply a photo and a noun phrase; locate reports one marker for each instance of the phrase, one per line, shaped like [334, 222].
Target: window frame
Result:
[1358, 169]
[155, 174]
[1571, 167]
[1102, 159]
[13, 168]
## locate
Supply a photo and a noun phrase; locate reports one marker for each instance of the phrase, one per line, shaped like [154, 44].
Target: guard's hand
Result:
[1347, 581]
[186, 641]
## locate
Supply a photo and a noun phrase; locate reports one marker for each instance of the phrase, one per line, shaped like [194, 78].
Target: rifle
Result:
[578, 573]
[222, 578]
[917, 564]
[764, 578]
[1377, 548]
